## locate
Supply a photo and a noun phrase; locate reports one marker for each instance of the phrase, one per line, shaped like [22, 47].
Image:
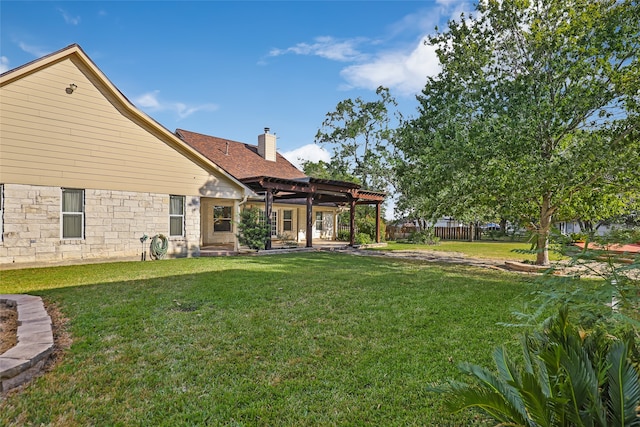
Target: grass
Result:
[299, 339]
[477, 249]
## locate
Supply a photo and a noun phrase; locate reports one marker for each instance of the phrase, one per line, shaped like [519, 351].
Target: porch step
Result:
[218, 250]
[217, 253]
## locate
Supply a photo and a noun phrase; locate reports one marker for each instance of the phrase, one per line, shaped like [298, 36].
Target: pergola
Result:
[316, 191]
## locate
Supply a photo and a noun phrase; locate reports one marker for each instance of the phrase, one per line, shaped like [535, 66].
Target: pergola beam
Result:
[315, 190]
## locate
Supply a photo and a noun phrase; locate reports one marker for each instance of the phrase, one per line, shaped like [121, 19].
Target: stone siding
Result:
[114, 223]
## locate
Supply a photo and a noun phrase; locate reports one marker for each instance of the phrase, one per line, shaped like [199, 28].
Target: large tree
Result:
[535, 110]
[359, 134]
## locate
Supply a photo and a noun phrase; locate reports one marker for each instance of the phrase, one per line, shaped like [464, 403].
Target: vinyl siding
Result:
[88, 140]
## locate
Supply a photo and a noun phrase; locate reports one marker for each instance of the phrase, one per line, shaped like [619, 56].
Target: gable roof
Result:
[239, 159]
[75, 53]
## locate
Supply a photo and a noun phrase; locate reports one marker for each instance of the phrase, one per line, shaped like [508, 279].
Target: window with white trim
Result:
[222, 218]
[274, 221]
[72, 213]
[319, 221]
[176, 216]
[287, 220]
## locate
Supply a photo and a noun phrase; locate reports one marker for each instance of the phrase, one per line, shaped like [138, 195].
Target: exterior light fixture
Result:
[71, 88]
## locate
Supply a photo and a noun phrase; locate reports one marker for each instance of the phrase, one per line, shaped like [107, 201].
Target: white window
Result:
[287, 220]
[72, 213]
[176, 215]
[274, 221]
[319, 221]
[222, 218]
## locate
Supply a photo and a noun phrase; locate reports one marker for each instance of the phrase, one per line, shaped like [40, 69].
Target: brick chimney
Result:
[267, 145]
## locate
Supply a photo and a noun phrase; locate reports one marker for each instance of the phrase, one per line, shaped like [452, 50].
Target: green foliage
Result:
[611, 289]
[362, 239]
[330, 170]
[567, 378]
[252, 232]
[424, 237]
[359, 133]
[366, 224]
[579, 237]
[344, 235]
[535, 114]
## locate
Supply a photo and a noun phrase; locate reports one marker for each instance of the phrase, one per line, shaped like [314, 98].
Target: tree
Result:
[360, 135]
[536, 108]
[330, 170]
[252, 232]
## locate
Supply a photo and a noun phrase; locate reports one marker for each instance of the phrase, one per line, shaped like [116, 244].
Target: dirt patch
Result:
[61, 335]
[8, 327]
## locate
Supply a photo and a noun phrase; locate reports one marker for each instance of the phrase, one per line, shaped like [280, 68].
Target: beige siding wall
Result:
[51, 138]
[114, 223]
[209, 235]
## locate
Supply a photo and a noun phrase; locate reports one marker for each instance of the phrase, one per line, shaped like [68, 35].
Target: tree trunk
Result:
[503, 226]
[542, 257]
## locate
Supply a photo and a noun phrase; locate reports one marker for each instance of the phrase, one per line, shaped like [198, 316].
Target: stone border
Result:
[35, 342]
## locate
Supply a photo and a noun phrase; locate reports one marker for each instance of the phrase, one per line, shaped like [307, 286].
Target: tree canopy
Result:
[360, 135]
[535, 113]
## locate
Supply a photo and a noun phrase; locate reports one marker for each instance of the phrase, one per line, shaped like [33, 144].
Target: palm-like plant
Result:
[568, 378]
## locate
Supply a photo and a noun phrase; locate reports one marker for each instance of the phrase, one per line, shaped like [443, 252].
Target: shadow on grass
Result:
[297, 339]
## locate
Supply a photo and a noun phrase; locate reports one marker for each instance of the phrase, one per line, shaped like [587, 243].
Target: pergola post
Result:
[268, 208]
[309, 221]
[378, 212]
[352, 221]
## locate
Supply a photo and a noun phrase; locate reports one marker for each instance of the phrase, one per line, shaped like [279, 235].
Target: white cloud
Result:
[403, 69]
[325, 47]
[403, 72]
[151, 101]
[72, 20]
[33, 50]
[4, 64]
[309, 152]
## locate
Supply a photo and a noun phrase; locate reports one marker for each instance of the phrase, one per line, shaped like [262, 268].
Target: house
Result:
[298, 208]
[84, 175]
[244, 161]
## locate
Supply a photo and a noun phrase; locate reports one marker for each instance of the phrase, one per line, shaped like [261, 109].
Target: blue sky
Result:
[229, 69]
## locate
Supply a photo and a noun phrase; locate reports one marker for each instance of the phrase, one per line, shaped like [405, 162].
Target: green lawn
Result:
[299, 339]
[477, 249]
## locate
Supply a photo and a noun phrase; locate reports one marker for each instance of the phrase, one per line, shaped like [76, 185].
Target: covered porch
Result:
[314, 192]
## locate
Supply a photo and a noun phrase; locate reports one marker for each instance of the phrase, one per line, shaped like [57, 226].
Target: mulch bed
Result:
[8, 327]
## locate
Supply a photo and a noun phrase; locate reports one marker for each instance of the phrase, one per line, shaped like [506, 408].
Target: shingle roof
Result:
[239, 159]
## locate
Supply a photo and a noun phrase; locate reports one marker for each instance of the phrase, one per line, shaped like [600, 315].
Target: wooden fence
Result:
[458, 233]
[444, 233]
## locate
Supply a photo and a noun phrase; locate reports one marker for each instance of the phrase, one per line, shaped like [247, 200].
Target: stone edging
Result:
[35, 342]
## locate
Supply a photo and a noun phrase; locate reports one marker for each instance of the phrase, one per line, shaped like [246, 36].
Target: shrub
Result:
[362, 239]
[424, 237]
[568, 378]
[367, 225]
[253, 233]
[579, 237]
[343, 235]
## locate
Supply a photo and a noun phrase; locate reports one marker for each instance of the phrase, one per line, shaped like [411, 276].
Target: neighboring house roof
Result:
[239, 159]
[80, 58]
